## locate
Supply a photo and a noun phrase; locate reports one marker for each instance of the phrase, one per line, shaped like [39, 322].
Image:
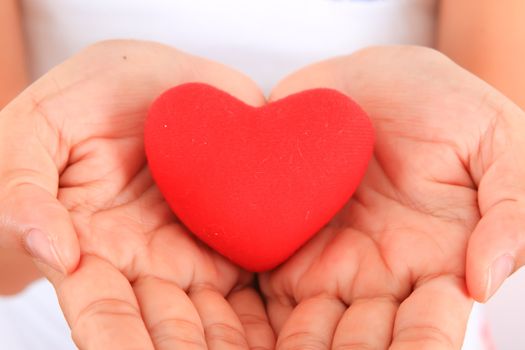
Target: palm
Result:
[382, 246]
[134, 237]
[143, 280]
[389, 269]
[131, 226]
[121, 216]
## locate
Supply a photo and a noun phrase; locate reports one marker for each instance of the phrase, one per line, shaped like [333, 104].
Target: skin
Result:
[395, 267]
[105, 288]
[73, 147]
[12, 55]
[488, 38]
[13, 75]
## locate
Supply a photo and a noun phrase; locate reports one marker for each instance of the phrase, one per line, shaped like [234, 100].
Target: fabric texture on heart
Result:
[256, 183]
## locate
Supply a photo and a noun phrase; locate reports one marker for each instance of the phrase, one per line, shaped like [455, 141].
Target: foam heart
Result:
[256, 183]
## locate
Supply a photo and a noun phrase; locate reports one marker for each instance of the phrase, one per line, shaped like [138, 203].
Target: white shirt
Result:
[265, 39]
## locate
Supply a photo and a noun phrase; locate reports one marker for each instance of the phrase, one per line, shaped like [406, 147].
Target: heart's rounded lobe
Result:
[256, 183]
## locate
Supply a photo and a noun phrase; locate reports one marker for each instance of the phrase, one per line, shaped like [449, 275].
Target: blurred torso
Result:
[264, 39]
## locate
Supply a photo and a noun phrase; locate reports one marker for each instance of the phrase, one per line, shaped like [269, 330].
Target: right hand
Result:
[76, 194]
[443, 198]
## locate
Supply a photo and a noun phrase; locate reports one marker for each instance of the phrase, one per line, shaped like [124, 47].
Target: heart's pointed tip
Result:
[261, 264]
[258, 268]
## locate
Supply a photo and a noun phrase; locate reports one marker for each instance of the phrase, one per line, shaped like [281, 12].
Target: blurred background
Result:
[506, 313]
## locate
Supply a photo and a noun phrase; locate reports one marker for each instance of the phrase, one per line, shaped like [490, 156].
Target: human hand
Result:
[441, 202]
[75, 186]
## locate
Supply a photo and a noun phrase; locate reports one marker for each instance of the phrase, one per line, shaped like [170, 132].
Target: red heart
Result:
[256, 183]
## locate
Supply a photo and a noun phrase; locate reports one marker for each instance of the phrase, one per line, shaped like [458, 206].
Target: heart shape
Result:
[255, 183]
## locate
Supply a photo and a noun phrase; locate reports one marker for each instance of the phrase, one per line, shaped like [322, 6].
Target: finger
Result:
[248, 306]
[278, 313]
[171, 319]
[497, 246]
[31, 218]
[312, 324]
[434, 316]
[367, 324]
[495, 249]
[222, 327]
[100, 307]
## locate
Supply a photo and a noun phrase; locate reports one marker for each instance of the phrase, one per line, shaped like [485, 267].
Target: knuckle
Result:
[106, 307]
[426, 336]
[259, 325]
[253, 320]
[354, 346]
[177, 331]
[225, 334]
[95, 317]
[302, 341]
[25, 181]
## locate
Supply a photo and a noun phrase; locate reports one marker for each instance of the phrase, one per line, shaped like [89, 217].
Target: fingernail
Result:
[40, 246]
[501, 268]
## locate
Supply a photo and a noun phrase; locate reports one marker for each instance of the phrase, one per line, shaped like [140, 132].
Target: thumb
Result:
[32, 220]
[497, 246]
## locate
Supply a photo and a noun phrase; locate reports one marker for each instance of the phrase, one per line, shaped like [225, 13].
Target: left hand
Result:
[439, 215]
[128, 275]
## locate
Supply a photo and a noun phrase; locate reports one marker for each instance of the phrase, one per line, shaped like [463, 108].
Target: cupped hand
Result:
[75, 192]
[440, 208]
